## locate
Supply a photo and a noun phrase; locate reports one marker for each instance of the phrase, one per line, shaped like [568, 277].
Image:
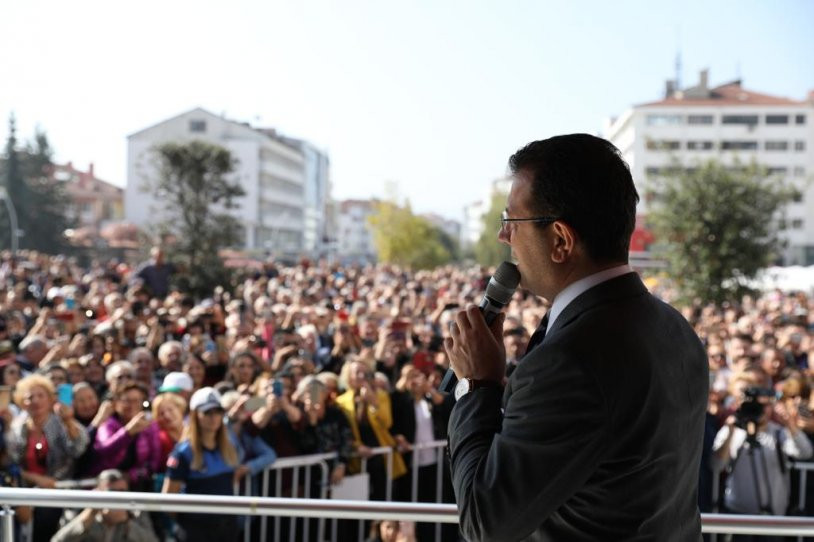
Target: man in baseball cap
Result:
[178, 383]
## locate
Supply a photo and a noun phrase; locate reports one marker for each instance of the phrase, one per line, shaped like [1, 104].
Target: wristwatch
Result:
[465, 385]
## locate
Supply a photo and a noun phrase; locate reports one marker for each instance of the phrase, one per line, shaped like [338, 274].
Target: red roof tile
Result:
[728, 94]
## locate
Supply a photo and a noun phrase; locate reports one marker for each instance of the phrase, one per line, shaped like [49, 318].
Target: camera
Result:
[751, 409]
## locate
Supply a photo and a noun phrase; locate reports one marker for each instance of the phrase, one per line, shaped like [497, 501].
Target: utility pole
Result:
[12, 216]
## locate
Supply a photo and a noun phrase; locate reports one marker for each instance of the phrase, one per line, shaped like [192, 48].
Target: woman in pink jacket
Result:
[128, 440]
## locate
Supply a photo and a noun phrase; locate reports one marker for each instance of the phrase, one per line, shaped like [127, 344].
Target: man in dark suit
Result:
[602, 422]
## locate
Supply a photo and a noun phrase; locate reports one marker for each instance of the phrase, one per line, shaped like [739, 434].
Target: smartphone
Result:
[5, 397]
[254, 403]
[148, 410]
[277, 388]
[65, 394]
[314, 391]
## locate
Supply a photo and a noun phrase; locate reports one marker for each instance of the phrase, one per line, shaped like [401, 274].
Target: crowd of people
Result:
[108, 372]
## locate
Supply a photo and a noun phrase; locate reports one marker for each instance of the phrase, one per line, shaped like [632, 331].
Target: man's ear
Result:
[565, 240]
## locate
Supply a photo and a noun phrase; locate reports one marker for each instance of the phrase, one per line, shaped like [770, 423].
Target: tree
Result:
[406, 239]
[47, 206]
[196, 195]
[488, 250]
[39, 201]
[719, 226]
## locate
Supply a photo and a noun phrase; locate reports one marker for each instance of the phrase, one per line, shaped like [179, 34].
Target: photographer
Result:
[757, 450]
[122, 525]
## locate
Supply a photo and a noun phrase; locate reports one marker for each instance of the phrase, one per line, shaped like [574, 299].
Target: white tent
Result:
[794, 277]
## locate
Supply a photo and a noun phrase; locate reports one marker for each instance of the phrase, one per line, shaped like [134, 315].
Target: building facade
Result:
[354, 239]
[472, 226]
[274, 172]
[317, 218]
[93, 203]
[449, 226]
[730, 124]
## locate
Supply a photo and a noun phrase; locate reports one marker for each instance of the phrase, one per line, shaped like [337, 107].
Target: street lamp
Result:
[12, 216]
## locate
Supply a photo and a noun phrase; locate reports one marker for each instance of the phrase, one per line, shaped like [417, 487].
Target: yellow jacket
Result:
[381, 418]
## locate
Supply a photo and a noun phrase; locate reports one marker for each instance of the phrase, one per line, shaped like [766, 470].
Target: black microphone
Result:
[498, 294]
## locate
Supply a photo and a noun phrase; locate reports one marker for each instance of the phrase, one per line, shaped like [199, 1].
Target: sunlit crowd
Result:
[112, 378]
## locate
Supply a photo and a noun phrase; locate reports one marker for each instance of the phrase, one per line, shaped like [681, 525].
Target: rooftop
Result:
[731, 93]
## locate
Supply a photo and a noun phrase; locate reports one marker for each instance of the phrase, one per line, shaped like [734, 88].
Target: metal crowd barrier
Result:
[320, 508]
[295, 464]
[802, 467]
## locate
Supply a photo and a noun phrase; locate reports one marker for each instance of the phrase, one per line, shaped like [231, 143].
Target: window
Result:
[663, 120]
[700, 145]
[777, 145]
[797, 197]
[799, 119]
[663, 145]
[777, 119]
[799, 171]
[197, 126]
[700, 119]
[799, 145]
[739, 145]
[751, 120]
[797, 224]
[776, 170]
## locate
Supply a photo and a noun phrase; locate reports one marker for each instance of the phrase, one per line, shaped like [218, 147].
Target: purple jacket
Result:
[112, 442]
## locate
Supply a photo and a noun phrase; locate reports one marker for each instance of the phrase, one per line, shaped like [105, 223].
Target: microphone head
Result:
[504, 282]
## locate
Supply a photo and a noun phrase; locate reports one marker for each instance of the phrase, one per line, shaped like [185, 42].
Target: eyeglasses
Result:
[505, 220]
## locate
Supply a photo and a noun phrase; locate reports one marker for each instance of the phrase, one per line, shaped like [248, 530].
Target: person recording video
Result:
[757, 450]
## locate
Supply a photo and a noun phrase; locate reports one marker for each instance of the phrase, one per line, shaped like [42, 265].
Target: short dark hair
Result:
[138, 386]
[583, 180]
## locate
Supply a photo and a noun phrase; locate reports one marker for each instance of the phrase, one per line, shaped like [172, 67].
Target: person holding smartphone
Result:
[45, 443]
[370, 417]
[323, 428]
[128, 440]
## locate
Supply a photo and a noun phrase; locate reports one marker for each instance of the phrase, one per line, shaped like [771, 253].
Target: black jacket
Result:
[602, 430]
[403, 406]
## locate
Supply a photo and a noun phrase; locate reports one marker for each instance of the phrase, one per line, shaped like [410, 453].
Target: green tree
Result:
[47, 206]
[406, 239]
[718, 226]
[39, 201]
[452, 246]
[488, 250]
[196, 196]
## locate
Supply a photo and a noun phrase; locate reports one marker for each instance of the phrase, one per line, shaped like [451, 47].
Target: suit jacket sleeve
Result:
[511, 472]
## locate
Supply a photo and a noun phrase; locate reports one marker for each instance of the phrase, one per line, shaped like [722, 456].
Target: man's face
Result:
[36, 352]
[527, 242]
[515, 346]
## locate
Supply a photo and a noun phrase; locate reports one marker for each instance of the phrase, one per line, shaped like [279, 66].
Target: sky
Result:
[430, 95]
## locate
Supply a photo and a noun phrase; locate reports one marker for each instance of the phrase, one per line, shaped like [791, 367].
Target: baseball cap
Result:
[205, 399]
[175, 382]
